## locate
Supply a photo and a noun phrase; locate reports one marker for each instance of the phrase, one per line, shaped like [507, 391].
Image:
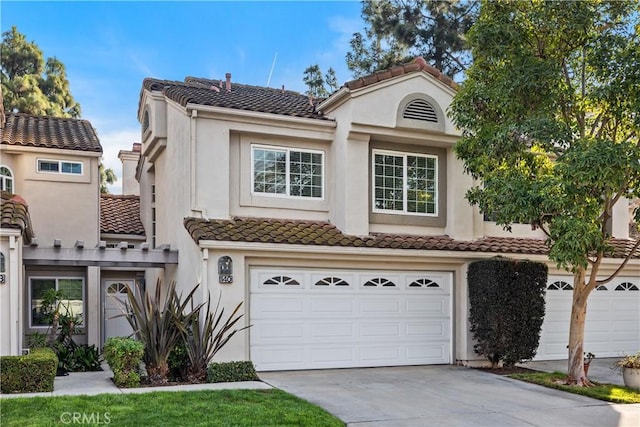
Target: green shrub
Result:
[231, 372]
[32, 373]
[124, 356]
[77, 357]
[507, 308]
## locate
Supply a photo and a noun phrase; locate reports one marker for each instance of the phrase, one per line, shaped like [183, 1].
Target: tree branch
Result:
[634, 248]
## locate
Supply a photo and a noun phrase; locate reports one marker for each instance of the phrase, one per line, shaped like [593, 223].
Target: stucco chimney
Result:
[228, 77]
[129, 161]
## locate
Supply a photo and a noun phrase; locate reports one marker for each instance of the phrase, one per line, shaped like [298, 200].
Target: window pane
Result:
[40, 314]
[74, 168]
[72, 291]
[305, 174]
[269, 171]
[388, 189]
[420, 184]
[45, 166]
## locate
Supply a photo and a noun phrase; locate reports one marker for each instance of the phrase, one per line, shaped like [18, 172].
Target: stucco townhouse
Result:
[340, 223]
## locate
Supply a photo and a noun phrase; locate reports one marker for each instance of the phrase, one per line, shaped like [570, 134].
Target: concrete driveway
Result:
[445, 396]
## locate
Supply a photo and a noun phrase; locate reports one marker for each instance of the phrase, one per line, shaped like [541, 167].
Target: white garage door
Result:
[613, 319]
[312, 319]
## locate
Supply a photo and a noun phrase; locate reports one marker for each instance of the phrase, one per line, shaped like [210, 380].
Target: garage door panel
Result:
[428, 305]
[433, 353]
[332, 305]
[436, 330]
[379, 306]
[270, 306]
[331, 331]
[384, 330]
[382, 354]
[628, 305]
[332, 320]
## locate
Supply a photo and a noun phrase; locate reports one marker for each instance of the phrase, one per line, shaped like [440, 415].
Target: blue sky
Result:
[108, 48]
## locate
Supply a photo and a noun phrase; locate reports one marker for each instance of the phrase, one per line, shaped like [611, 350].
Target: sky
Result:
[108, 48]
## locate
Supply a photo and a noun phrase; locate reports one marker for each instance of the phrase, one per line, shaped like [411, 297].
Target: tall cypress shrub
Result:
[507, 305]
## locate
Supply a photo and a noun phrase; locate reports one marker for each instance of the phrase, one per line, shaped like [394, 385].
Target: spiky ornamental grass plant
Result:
[159, 323]
[207, 333]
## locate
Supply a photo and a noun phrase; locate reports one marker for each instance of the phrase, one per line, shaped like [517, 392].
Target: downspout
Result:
[192, 161]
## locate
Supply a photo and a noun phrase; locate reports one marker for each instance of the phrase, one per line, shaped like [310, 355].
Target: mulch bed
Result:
[507, 371]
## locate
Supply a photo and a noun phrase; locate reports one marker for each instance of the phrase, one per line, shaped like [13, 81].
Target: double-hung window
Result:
[71, 303]
[287, 172]
[405, 183]
[56, 166]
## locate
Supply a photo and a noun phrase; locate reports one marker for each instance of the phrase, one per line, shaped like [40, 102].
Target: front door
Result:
[114, 293]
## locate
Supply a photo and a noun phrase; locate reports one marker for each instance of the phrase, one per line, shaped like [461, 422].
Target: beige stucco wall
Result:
[61, 206]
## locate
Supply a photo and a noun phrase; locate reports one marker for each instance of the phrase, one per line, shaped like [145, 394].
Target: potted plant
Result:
[630, 367]
[588, 357]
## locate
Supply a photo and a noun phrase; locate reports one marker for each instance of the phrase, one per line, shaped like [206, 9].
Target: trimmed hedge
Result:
[507, 307]
[32, 373]
[225, 372]
[124, 356]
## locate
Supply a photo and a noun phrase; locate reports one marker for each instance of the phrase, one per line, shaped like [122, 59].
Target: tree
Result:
[398, 30]
[550, 124]
[107, 176]
[29, 83]
[320, 86]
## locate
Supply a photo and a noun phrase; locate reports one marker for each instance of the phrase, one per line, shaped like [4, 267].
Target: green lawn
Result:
[607, 392]
[196, 408]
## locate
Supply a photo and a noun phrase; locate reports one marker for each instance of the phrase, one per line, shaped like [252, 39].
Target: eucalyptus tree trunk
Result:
[581, 291]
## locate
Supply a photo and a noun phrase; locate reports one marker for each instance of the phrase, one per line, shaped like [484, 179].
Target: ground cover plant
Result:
[196, 408]
[607, 392]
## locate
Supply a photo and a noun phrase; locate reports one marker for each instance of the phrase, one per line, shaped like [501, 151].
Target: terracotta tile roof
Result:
[267, 230]
[418, 64]
[120, 215]
[241, 97]
[14, 213]
[50, 132]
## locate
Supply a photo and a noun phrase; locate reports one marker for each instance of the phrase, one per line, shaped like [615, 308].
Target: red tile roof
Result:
[266, 230]
[49, 132]
[120, 215]
[14, 213]
[418, 64]
[241, 97]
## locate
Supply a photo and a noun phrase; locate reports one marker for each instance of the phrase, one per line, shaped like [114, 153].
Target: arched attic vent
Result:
[420, 111]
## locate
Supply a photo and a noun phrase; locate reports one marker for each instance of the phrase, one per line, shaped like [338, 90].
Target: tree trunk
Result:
[576, 374]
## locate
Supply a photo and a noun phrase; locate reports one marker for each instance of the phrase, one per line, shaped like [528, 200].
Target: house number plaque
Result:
[225, 269]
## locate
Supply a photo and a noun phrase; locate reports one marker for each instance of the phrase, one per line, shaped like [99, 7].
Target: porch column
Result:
[93, 304]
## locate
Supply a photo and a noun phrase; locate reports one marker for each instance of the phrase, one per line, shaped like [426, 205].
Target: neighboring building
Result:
[53, 235]
[342, 223]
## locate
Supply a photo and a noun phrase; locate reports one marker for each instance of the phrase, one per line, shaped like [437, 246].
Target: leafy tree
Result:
[319, 85]
[107, 176]
[549, 113]
[398, 30]
[29, 83]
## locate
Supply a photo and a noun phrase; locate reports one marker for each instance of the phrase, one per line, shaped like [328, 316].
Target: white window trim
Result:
[56, 278]
[404, 155]
[288, 150]
[7, 178]
[60, 162]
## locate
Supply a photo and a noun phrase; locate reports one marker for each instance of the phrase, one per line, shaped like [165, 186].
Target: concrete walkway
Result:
[92, 383]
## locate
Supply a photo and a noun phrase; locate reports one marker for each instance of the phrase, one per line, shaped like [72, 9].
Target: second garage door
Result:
[313, 319]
